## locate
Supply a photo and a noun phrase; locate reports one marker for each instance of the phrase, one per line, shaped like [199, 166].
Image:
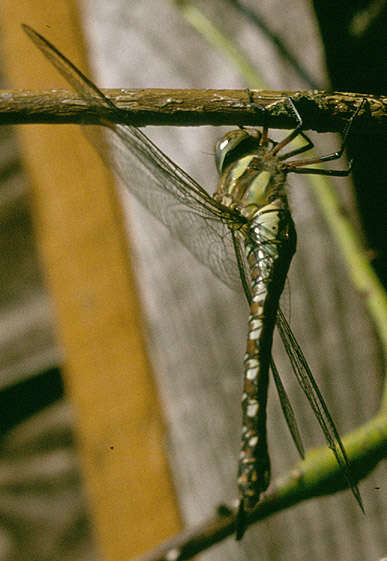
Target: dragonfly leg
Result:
[295, 166]
[308, 146]
[330, 172]
[265, 128]
[297, 131]
[291, 136]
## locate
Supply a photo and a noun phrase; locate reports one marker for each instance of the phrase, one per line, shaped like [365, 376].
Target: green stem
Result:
[319, 474]
[221, 42]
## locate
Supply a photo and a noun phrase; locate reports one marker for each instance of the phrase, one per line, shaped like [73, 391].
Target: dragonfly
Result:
[245, 234]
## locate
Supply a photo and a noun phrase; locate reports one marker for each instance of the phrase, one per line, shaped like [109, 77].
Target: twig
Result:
[321, 111]
[319, 474]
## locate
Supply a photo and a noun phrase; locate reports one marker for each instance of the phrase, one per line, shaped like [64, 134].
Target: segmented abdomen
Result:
[269, 249]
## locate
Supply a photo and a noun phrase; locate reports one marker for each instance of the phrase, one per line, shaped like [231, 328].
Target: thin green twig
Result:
[221, 42]
[317, 475]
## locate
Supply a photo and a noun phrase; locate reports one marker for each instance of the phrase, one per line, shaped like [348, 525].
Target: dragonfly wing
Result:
[166, 190]
[287, 410]
[172, 196]
[243, 267]
[310, 388]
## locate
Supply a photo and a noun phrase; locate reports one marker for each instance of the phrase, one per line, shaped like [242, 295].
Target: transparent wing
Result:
[191, 215]
[310, 388]
[170, 194]
[287, 410]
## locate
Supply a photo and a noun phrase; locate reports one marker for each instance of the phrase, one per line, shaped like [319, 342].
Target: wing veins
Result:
[311, 390]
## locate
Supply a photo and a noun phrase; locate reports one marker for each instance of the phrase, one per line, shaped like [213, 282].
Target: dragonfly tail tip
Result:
[240, 522]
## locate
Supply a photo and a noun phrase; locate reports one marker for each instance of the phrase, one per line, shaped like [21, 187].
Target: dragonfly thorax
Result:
[251, 177]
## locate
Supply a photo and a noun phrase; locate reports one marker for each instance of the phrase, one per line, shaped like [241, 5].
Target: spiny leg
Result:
[297, 131]
[295, 166]
[308, 146]
[294, 132]
[330, 172]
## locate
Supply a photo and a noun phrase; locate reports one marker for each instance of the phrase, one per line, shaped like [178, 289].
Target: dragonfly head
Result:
[232, 146]
[238, 143]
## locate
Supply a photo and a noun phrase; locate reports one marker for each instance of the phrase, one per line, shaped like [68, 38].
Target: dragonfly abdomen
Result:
[269, 250]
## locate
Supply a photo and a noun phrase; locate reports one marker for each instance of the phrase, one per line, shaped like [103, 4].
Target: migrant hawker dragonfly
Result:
[246, 236]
